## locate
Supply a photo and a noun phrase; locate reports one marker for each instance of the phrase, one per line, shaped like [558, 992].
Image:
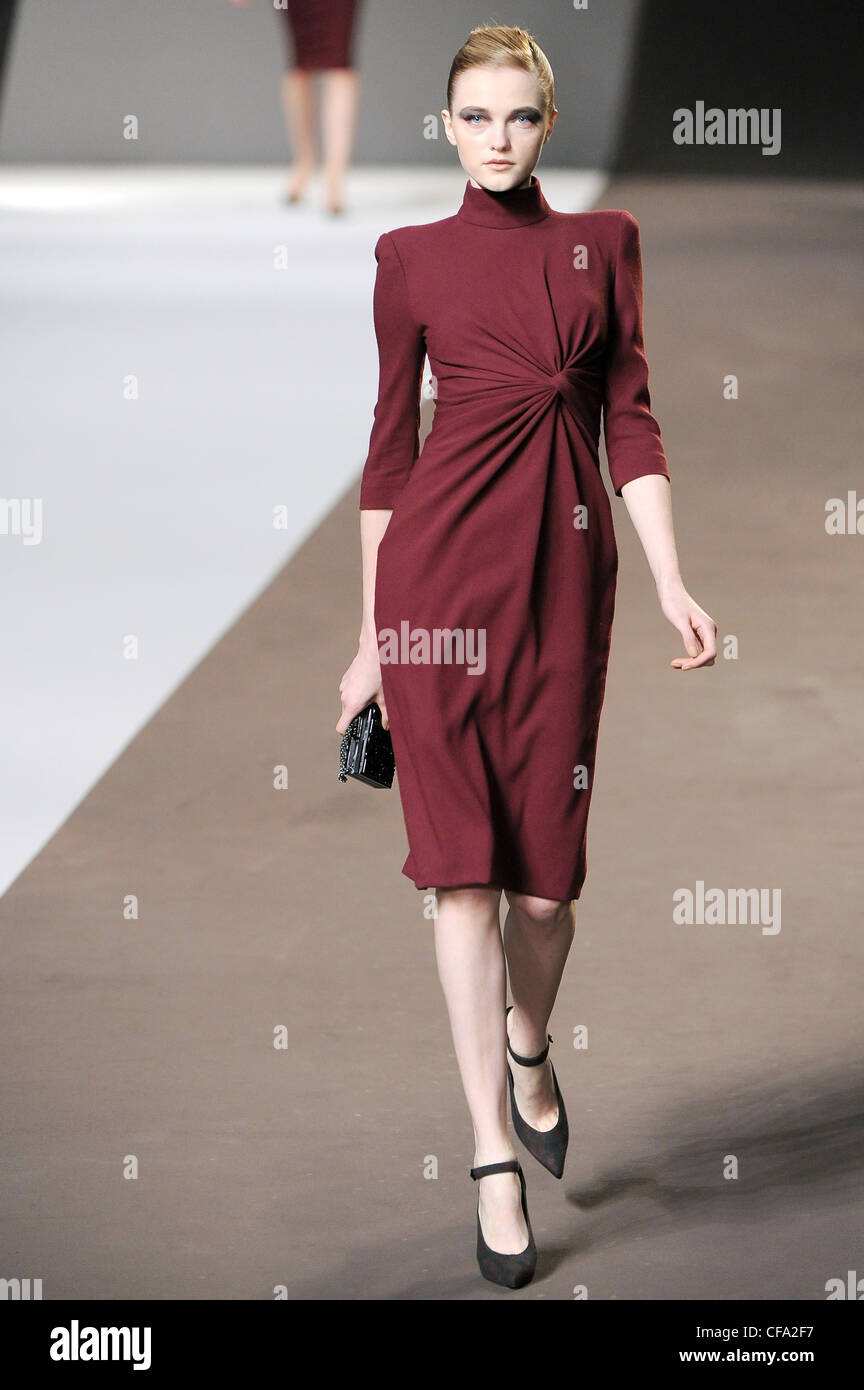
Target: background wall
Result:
[203, 78]
[791, 54]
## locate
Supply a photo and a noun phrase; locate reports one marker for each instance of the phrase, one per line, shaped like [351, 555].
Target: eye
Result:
[525, 117]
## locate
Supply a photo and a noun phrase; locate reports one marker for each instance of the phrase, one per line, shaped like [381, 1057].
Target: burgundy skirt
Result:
[319, 33]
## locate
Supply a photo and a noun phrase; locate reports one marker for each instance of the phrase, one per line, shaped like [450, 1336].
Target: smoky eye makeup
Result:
[528, 113]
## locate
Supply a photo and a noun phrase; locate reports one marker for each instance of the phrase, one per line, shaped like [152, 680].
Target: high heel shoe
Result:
[548, 1146]
[510, 1270]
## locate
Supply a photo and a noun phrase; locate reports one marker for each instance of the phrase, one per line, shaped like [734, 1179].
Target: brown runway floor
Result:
[261, 909]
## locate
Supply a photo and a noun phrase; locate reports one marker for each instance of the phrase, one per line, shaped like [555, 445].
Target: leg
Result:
[538, 933]
[470, 960]
[341, 100]
[298, 101]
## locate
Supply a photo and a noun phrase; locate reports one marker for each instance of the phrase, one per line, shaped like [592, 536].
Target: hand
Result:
[360, 685]
[698, 630]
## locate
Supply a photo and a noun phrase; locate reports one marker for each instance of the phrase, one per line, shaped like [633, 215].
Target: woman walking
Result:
[489, 578]
[319, 36]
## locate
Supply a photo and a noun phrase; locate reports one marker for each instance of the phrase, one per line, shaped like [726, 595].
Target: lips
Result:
[500, 163]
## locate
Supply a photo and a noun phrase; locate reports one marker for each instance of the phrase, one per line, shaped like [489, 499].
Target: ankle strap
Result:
[530, 1061]
[509, 1165]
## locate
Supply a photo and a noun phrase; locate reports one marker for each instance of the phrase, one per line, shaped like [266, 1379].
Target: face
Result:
[497, 126]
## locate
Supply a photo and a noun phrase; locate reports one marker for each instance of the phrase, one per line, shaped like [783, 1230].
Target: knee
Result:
[549, 913]
[479, 900]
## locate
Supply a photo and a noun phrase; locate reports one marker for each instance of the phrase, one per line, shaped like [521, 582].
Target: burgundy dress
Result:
[319, 33]
[502, 526]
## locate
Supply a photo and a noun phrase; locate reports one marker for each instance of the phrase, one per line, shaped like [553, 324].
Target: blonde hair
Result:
[502, 45]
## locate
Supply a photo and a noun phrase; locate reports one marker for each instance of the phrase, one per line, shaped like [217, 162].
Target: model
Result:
[489, 576]
[319, 36]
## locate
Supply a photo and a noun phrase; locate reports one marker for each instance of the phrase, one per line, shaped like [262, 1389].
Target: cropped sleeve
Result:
[633, 443]
[394, 443]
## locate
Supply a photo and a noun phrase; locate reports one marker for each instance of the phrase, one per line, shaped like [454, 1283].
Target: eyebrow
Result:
[483, 111]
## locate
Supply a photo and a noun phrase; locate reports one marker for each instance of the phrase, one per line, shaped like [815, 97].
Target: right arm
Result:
[394, 446]
[361, 683]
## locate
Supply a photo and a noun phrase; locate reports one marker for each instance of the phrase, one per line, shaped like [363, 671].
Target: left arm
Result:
[637, 461]
[649, 501]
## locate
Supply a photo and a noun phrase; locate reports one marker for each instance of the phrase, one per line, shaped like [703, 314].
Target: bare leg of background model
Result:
[298, 101]
[339, 119]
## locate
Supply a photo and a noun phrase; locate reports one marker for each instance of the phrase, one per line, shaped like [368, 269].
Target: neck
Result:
[526, 183]
[514, 207]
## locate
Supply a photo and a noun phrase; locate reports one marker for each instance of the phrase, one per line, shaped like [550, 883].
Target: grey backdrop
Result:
[203, 78]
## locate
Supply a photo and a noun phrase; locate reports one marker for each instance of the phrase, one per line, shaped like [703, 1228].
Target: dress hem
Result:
[480, 882]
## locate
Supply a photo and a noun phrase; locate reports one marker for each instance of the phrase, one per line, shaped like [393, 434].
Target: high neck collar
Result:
[517, 207]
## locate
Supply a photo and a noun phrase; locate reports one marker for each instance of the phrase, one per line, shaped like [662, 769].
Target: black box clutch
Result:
[366, 751]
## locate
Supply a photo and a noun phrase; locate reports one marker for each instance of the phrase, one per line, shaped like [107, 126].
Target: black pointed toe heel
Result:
[510, 1270]
[549, 1146]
